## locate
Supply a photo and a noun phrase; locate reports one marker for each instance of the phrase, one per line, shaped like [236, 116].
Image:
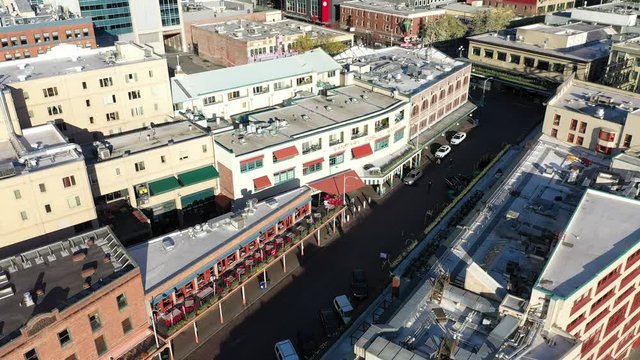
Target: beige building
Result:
[624, 65]
[44, 188]
[594, 116]
[165, 170]
[90, 93]
[540, 56]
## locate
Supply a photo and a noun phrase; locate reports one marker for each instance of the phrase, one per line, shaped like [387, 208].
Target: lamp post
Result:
[460, 50]
[484, 88]
[344, 192]
[153, 323]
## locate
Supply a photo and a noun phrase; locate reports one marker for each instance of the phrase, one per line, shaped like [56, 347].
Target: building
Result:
[325, 13]
[79, 298]
[466, 11]
[593, 116]
[388, 22]
[532, 7]
[90, 93]
[224, 93]
[624, 65]
[538, 57]
[621, 15]
[241, 42]
[110, 17]
[165, 170]
[30, 37]
[436, 85]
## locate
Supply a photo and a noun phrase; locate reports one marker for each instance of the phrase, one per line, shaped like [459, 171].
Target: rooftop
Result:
[599, 232]
[396, 7]
[12, 24]
[53, 270]
[209, 10]
[305, 117]
[66, 59]
[596, 100]
[143, 139]
[460, 7]
[210, 82]
[169, 255]
[408, 71]
[247, 30]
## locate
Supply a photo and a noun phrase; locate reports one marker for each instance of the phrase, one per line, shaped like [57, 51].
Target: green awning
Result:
[163, 185]
[200, 196]
[198, 175]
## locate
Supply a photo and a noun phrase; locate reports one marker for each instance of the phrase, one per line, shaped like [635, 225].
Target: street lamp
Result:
[344, 192]
[460, 50]
[153, 321]
[484, 88]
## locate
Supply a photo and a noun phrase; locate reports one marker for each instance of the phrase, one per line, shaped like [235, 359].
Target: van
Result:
[343, 307]
[285, 351]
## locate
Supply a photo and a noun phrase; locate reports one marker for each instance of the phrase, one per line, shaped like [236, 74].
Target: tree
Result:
[444, 28]
[334, 47]
[304, 43]
[491, 21]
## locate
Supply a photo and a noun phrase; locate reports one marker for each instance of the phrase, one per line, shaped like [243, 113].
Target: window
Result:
[284, 176]
[137, 111]
[336, 159]
[583, 127]
[183, 155]
[627, 140]
[139, 166]
[331, 73]
[49, 92]
[570, 138]
[65, 337]
[23, 215]
[261, 89]
[233, 95]
[126, 326]
[337, 138]
[250, 165]
[73, 202]
[475, 51]
[88, 102]
[502, 56]
[118, 171]
[579, 140]
[163, 159]
[311, 168]
[382, 124]
[556, 119]
[488, 54]
[110, 99]
[54, 110]
[69, 181]
[43, 187]
[106, 82]
[31, 355]
[574, 124]
[112, 116]
[398, 135]
[204, 148]
[94, 320]
[381, 144]
[134, 94]
[122, 301]
[84, 85]
[543, 65]
[131, 77]
[47, 208]
[303, 80]
[529, 62]
[554, 133]
[17, 195]
[101, 345]
[150, 73]
[209, 100]
[559, 68]
[91, 119]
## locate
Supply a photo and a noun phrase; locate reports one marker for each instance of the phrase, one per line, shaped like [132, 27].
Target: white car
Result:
[285, 351]
[443, 151]
[458, 138]
[343, 307]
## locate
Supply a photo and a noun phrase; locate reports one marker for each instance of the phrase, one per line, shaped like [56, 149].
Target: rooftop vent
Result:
[600, 112]
[23, 77]
[22, 66]
[272, 203]
[237, 222]
[304, 117]
[328, 108]
[168, 243]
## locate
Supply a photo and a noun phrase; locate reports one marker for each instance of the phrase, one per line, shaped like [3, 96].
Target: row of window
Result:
[182, 155]
[517, 59]
[23, 40]
[18, 54]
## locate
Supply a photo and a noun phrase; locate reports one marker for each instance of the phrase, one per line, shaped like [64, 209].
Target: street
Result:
[294, 303]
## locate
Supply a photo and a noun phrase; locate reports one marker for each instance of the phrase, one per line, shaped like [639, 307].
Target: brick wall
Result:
[226, 180]
[221, 49]
[381, 27]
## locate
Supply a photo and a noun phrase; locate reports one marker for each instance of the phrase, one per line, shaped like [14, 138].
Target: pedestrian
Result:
[438, 161]
[429, 185]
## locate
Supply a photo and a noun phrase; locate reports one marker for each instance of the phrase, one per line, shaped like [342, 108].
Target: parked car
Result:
[306, 343]
[412, 176]
[443, 151]
[330, 322]
[359, 285]
[285, 350]
[458, 138]
[343, 307]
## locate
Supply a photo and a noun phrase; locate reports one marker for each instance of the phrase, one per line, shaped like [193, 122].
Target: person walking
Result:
[429, 184]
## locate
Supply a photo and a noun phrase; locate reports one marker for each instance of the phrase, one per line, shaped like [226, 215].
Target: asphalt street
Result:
[294, 304]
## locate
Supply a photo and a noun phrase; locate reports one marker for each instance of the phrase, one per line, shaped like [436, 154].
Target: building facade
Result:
[32, 40]
[624, 65]
[593, 116]
[93, 93]
[110, 17]
[532, 7]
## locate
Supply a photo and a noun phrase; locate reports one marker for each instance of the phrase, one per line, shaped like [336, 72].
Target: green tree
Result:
[333, 47]
[444, 28]
[490, 21]
[304, 43]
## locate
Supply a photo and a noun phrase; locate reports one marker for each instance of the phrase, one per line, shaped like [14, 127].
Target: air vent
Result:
[168, 244]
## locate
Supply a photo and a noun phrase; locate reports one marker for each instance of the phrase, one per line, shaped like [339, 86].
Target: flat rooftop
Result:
[408, 71]
[145, 139]
[307, 116]
[247, 30]
[619, 7]
[67, 59]
[41, 22]
[160, 262]
[588, 99]
[396, 7]
[191, 86]
[52, 270]
[213, 10]
[600, 231]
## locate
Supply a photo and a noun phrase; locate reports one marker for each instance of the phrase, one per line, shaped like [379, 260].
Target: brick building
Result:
[31, 40]
[532, 7]
[80, 298]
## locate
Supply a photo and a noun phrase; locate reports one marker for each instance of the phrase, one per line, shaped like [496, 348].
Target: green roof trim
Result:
[198, 175]
[163, 185]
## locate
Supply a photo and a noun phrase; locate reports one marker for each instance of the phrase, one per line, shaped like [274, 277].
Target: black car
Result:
[359, 286]
[307, 343]
[330, 322]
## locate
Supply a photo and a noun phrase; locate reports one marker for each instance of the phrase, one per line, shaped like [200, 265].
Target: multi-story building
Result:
[240, 42]
[110, 17]
[593, 116]
[388, 22]
[539, 57]
[227, 92]
[90, 93]
[79, 298]
[325, 12]
[164, 170]
[588, 290]
[532, 7]
[623, 70]
[25, 39]
[622, 15]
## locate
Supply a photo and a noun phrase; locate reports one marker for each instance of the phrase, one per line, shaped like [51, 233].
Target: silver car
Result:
[412, 176]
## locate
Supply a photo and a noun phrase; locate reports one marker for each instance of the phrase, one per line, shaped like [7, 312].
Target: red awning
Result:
[361, 151]
[285, 153]
[261, 182]
[335, 184]
[252, 159]
[313, 162]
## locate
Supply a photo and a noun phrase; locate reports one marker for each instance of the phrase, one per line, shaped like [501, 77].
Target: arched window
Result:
[425, 104]
[450, 90]
[458, 84]
[466, 80]
[441, 94]
[434, 99]
[414, 111]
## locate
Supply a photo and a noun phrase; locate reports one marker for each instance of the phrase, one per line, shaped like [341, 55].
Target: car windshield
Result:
[458, 136]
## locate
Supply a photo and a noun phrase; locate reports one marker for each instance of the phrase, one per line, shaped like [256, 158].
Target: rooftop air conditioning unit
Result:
[237, 222]
[103, 153]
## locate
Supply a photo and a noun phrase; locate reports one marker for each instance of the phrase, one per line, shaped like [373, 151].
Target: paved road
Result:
[294, 305]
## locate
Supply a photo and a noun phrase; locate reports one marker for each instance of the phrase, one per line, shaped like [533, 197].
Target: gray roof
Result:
[603, 228]
[247, 30]
[43, 22]
[397, 7]
[209, 82]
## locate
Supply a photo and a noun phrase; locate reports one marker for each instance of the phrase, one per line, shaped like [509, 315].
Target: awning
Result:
[313, 162]
[336, 184]
[163, 185]
[260, 157]
[361, 151]
[261, 182]
[285, 153]
[200, 196]
[198, 175]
